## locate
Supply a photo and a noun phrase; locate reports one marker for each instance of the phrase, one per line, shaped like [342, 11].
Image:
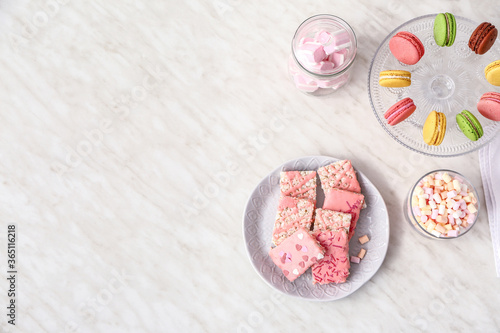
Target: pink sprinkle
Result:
[451, 194]
[355, 260]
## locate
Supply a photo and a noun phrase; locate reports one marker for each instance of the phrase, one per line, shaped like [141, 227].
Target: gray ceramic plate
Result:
[258, 221]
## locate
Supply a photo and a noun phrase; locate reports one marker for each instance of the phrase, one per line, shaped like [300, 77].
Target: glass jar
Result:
[454, 224]
[323, 51]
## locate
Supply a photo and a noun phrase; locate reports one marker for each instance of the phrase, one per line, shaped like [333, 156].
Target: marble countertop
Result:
[132, 134]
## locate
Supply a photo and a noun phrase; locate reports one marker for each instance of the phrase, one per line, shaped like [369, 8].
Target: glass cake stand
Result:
[446, 79]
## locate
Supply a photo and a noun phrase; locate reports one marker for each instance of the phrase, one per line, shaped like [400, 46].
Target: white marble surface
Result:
[133, 132]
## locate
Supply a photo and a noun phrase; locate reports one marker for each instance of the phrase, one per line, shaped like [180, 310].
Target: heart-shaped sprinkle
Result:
[298, 247]
[283, 258]
[286, 272]
[313, 259]
[295, 271]
[300, 236]
[304, 249]
[306, 258]
[320, 256]
[301, 264]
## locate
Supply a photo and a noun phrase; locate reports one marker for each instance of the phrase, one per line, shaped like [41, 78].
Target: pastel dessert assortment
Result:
[443, 205]
[322, 54]
[297, 253]
[331, 226]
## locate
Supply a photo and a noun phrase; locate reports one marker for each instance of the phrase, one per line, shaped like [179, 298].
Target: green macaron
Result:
[469, 125]
[445, 29]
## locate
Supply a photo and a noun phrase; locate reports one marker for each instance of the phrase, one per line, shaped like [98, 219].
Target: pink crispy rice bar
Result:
[345, 202]
[298, 184]
[292, 214]
[334, 267]
[329, 220]
[297, 253]
[339, 175]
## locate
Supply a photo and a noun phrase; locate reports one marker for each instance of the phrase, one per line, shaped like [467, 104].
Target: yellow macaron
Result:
[434, 128]
[394, 79]
[492, 73]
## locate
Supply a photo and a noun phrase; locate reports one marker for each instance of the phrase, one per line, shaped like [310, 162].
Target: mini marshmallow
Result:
[432, 203]
[440, 228]
[446, 178]
[452, 233]
[456, 185]
[437, 198]
[361, 253]
[436, 233]
[417, 211]
[471, 208]
[364, 239]
[451, 194]
[355, 259]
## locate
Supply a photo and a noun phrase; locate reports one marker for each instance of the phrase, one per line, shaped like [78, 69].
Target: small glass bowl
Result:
[413, 219]
[325, 83]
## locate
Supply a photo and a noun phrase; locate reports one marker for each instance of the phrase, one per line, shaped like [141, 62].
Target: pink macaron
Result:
[406, 47]
[489, 105]
[400, 111]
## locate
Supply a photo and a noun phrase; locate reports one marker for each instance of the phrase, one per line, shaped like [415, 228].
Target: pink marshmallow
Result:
[304, 83]
[337, 58]
[452, 233]
[323, 67]
[451, 194]
[311, 52]
[341, 40]
[451, 220]
[435, 213]
[355, 259]
[323, 37]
